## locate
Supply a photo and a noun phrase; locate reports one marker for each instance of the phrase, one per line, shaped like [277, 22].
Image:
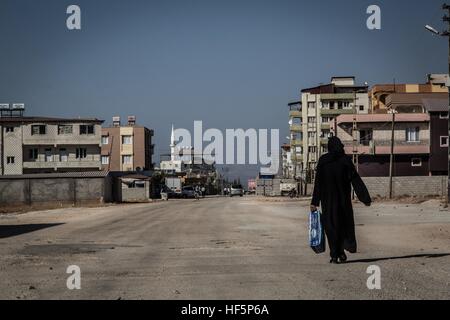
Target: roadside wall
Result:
[407, 186]
[418, 186]
[54, 190]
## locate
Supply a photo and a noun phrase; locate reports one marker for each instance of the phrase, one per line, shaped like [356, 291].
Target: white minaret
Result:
[172, 145]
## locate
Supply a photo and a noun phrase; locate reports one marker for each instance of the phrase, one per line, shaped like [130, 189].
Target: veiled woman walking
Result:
[332, 191]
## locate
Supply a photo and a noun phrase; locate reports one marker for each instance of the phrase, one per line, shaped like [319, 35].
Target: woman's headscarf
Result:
[335, 147]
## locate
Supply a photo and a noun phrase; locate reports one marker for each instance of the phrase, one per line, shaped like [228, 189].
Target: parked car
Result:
[236, 190]
[188, 192]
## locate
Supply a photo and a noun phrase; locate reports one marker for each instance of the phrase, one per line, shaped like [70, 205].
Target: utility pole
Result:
[391, 158]
[446, 19]
[446, 33]
[391, 162]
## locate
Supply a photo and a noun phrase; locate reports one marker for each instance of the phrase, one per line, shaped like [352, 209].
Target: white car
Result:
[236, 190]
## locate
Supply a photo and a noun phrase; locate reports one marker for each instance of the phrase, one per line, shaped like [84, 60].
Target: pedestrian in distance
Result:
[335, 176]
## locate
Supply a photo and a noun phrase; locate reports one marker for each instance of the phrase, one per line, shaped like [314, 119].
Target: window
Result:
[340, 104]
[38, 129]
[86, 129]
[312, 119]
[416, 162]
[444, 141]
[127, 159]
[48, 155]
[311, 105]
[105, 159]
[127, 140]
[296, 136]
[33, 154]
[65, 129]
[81, 153]
[361, 108]
[9, 129]
[443, 115]
[297, 121]
[10, 160]
[105, 139]
[346, 104]
[63, 156]
[312, 149]
[139, 184]
[412, 134]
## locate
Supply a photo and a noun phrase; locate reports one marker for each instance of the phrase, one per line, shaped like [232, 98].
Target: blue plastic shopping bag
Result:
[316, 234]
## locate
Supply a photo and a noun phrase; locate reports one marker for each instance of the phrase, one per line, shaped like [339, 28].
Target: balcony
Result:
[337, 96]
[383, 147]
[296, 127]
[324, 141]
[296, 143]
[325, 126]
[61, 164]
[336, 111]
[295, 114]
[297, 158]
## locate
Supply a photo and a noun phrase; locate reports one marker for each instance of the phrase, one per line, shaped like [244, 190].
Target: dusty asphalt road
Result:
[220, 248]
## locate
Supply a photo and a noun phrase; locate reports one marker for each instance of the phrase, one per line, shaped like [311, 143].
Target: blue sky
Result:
[232, 64]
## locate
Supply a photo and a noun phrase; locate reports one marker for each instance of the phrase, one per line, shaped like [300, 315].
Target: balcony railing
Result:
[325, 126]
[61, 164]
[337, 96]
[296, 143]
[295, 113]
[384, 147]
[296, 127]
[336, 111]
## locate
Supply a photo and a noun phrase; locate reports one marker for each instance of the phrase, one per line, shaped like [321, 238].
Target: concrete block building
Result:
[126, 147]
[45, 145]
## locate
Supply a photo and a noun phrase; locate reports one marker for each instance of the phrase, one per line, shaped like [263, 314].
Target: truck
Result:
[174, 184]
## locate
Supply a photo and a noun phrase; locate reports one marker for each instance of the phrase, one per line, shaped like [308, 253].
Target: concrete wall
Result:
[136, 194]
[54, 190]
[123, 193]
[407, 186]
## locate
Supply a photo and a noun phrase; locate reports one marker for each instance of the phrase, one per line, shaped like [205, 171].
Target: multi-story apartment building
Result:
[45, 145]
[126, 148]
[420, 136]
[311, 118]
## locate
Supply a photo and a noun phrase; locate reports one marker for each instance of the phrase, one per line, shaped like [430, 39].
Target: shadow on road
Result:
[423, 255]
[7, 231]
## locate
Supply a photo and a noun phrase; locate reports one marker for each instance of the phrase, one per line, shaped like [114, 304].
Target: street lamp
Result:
[432, 30]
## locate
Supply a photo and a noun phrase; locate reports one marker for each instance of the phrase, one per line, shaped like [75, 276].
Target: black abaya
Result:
[332, 190]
